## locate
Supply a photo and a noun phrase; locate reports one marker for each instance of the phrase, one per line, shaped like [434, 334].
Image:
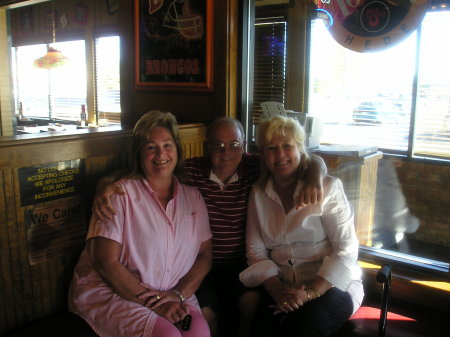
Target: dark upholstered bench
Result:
[60, 325]
[399, 324]
[400, 320]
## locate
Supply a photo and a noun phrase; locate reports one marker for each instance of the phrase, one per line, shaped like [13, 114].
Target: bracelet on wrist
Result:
[180, 295]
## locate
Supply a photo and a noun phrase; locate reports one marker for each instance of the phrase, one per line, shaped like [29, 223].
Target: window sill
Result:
[418, 282]
[50, 136]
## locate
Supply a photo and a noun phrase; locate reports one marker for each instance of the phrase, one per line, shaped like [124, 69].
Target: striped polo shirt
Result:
[227, 208]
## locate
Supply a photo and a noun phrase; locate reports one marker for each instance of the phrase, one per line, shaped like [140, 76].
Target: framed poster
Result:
[81, 14]
[173, 44]
[113, 6]
[26, 20]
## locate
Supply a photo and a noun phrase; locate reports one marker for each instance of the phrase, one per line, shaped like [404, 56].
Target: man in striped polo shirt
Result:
[224, 178]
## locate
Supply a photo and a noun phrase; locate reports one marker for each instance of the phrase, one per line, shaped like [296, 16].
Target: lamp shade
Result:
[53, 59]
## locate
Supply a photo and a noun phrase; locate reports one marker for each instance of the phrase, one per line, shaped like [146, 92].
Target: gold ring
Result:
[157, 297]
[285, 303]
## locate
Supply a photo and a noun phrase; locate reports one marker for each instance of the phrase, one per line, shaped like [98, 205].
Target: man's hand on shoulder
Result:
[101, 206]
[311, 192]
[312, 189]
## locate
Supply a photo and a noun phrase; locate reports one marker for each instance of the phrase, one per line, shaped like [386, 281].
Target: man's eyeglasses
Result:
[219, 147]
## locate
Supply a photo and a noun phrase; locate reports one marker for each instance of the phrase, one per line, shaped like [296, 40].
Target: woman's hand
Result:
[165, 303]
[174, 312]
[154, 298]
[101, 206]
[286, 299]
[150, 296]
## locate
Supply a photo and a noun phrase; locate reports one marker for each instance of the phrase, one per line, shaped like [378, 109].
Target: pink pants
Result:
[199, 327]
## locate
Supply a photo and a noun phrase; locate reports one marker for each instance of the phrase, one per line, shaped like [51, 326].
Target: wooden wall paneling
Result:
[97, 18]
[226, 30]
[99, 167]
[6, 97]
[14, 243]
[192, 137]
[41, 288]
[22, 273]
[192, 150]
[48, 150]
[7, 306]
[367, 200]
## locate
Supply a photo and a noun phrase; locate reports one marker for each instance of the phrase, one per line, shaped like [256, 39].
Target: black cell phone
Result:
[186, 323]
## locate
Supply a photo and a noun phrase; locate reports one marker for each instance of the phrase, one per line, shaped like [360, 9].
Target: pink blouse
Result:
[158, 246]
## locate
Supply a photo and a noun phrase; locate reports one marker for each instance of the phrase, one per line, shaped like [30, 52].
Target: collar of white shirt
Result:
[270, 189]
[213, 177]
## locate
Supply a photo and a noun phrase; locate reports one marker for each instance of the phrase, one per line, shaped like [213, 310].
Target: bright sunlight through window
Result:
[56, 93]
[372, 99]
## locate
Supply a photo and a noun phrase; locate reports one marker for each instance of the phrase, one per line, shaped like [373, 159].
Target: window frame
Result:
[96, 35]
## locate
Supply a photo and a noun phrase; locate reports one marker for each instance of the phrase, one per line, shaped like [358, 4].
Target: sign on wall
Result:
[371, 25]
[53, 181]
[52, 230]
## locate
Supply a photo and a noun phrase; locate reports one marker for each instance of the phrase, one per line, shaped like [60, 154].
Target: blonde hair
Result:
[141, 134]
[280, 126]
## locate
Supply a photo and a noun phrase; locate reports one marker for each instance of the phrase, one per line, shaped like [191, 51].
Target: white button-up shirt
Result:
[318, 240]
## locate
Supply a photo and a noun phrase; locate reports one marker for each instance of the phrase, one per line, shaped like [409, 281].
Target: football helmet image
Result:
[181, 17]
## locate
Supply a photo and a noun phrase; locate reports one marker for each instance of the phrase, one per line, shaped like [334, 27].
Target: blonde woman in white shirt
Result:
[305, 260]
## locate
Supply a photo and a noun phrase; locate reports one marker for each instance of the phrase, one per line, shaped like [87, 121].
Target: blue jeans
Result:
[319, 317]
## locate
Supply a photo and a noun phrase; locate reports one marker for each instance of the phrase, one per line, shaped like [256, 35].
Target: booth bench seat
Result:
[60, 325]
[414, 324]
[372, 319]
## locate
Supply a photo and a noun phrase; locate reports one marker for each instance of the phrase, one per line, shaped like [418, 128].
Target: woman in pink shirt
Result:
[139, 271]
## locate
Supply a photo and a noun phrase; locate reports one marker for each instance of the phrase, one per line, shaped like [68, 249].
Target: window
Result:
[373, 99]
[270, 63]
[399, 100]
[107, 79]
[58, 94]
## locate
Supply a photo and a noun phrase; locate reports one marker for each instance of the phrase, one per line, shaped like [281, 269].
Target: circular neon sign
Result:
[371, 25]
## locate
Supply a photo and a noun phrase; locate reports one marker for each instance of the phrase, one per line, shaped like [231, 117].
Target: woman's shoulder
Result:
[331, 180]
[331, 184]
[130, 184]
[128, 181]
